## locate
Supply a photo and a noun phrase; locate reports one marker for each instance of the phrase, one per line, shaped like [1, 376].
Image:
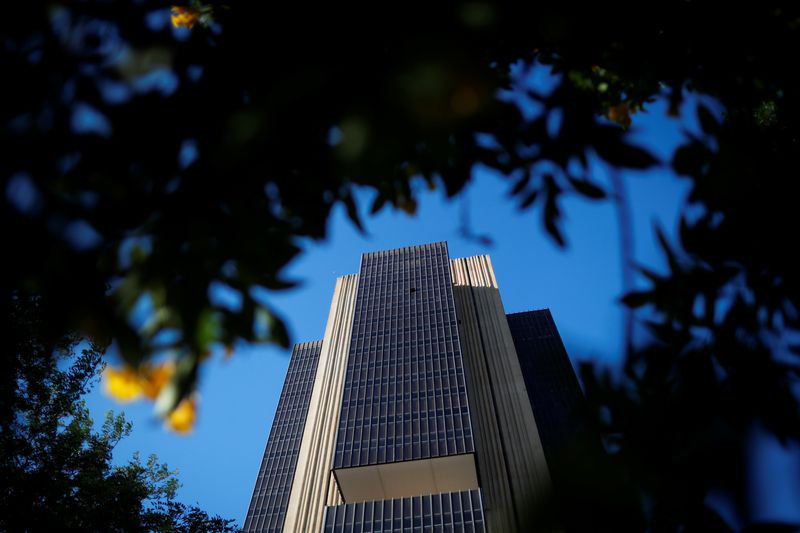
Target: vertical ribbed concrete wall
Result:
[312, 488]
[511, 461]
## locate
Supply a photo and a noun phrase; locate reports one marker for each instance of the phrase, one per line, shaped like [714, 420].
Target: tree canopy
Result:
[145, 163]
[56, 472]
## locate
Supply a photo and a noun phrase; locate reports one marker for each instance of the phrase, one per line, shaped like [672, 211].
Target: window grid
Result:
[451, 512]
[404, 394]
[553, 388]
[274, 482]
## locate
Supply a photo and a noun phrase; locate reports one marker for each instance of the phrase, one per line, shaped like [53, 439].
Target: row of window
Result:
[393, 335]
[404, 359]
[407, 452]
[404, 374]
[457, 511]
[454, 418]
[397, 398]
[383, 407]
[432, 402]
[406, 441]
[433, 427]
[268, 505]
[405, 304]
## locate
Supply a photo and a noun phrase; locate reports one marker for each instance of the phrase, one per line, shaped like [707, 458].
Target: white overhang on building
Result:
[402, 479]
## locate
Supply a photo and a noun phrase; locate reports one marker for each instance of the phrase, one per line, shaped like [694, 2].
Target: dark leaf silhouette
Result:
[141, 162]
[588, 189]
[636, 299]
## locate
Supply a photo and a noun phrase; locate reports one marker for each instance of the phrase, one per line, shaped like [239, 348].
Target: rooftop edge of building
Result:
[530, 311]
[306, 344]
[438, 245]
[356, 274]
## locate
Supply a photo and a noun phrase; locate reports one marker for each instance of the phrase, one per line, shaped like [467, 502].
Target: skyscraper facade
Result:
[424, 408]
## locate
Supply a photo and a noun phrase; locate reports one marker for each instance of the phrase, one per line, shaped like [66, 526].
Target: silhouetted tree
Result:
[142, 163]
[55, 470]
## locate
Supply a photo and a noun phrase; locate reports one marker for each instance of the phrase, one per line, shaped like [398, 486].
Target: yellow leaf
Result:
[184, 17]
[182, 418]
[153, 379]
[123, 384]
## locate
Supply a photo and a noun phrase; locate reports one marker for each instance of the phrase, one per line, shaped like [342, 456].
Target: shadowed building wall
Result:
[553, 389]
[578, 464]
[417, 414]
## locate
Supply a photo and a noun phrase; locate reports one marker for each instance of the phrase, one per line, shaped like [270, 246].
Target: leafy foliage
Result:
[145, 163]
[200, 155]
[55, 470]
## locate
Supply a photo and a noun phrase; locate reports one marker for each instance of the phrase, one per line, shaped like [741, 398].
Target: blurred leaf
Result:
[278, 333]
[620, 113]
[352, 211]
[183, 417]
[521, 183]
[378, 203]
[529, 199]
[209, 328]
[672, 258]
[155, 377]
[184, 17]
[637, 299]
[690, 159]
[587, 189]
[552, 213]
[409, 205]
[122, 384]
[624, 155]
[708, 121]
[280, 284]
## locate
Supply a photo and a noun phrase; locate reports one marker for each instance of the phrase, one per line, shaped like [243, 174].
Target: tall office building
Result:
[424, 408]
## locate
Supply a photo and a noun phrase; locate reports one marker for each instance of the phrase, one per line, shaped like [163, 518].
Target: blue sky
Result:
[218, 462]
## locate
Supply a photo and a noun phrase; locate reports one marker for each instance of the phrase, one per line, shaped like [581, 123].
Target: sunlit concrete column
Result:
[312, 487]
[511, 460]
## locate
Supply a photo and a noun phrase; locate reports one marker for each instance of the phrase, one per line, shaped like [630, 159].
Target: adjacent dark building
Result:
[423, 409]
[550, 381]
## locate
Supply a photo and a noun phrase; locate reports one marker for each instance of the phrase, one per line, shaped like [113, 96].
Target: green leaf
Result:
[209, 327]
[278, 332]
